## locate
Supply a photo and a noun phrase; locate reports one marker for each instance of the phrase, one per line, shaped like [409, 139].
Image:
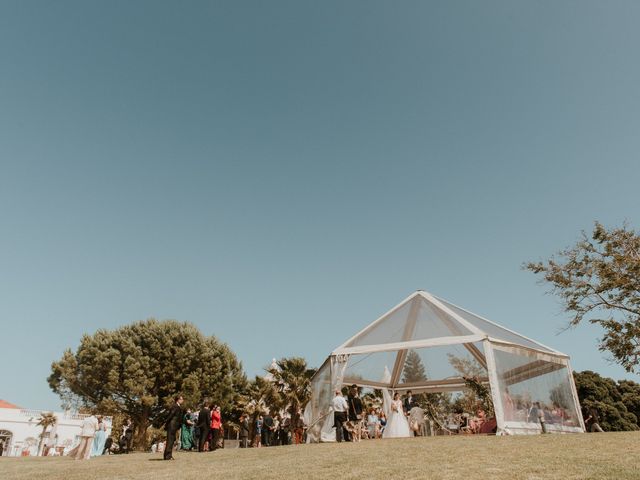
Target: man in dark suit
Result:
[409, 402]
[268, 427]
[244, 431]
[204, 424]
[128, 435]
[172, 425]
[355, 413]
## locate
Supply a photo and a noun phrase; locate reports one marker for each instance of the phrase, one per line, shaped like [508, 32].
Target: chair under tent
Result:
[522, 374]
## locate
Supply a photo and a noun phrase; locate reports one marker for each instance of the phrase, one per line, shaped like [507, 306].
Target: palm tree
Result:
[261, 397]
[292, 378]
[47, 419]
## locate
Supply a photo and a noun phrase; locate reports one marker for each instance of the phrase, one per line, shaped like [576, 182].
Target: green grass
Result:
[589, 456]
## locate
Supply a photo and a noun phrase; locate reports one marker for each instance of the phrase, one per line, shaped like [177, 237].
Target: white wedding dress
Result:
[397, 423]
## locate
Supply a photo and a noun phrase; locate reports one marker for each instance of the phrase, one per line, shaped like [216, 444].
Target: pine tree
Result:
[413, 370]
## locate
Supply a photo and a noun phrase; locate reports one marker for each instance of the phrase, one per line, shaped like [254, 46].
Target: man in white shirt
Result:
[340, 408]
[89, 427]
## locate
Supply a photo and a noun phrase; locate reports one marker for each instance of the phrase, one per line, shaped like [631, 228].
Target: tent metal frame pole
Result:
[379, 319]
[473, 350]
[494, 386]
[406, 335]
[477, 354]
[552, 350]
[574, 393]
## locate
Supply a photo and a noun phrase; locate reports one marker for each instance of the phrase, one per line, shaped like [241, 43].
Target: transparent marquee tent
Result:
[519, 371]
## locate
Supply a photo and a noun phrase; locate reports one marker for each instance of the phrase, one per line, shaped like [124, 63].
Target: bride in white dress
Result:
[397, 423]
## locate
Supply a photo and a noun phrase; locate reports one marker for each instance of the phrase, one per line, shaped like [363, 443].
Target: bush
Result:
[617, 403]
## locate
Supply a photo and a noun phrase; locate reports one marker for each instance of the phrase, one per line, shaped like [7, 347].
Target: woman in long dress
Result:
[186, 434]
[397, 424]
[99, 439]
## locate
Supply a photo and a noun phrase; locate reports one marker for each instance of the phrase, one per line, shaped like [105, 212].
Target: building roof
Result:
[4, 404]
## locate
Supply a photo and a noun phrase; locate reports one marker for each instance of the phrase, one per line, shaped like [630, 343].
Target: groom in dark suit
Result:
[409, 402]
[172, 425]
[204, 424]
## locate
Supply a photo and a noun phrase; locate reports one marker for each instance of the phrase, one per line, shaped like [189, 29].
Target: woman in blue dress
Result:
[99, 439]
[258, 436]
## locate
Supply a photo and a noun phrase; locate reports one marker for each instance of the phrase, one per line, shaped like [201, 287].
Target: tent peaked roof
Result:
[424, 320]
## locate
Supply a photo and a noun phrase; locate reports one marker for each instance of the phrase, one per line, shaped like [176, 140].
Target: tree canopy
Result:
[136, 370]
[617, 403]
[292, 378]
[598, 279]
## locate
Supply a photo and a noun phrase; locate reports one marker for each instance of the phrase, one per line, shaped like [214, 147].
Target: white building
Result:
[20, 433]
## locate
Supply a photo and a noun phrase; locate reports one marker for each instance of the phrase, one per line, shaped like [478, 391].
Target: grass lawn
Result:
[589, 456]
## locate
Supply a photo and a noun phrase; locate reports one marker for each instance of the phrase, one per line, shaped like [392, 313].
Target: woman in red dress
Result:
[216, 423]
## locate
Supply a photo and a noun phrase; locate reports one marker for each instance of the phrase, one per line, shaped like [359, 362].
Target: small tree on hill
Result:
[47, 419]
[598, 279]
[135, 370]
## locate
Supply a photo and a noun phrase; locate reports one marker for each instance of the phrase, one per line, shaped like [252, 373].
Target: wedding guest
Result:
[99, 439]
[186, 432]
[257, 440]
[204, 425]
[478, 421]
[283, 432]
[244, 431]
[508, 405]
[383, 421]
[536, 415]
[89, 427]
[216, 424]
[373, 424]
[593, 421]
[340, 408]
[172, 425]
[416, 421]
[355, 412]
[267, 429]
[127, 436]
[275, 438]
[558, 414]
[298, 429]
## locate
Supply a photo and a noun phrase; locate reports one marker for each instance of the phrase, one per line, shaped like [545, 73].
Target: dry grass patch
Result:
[540, 457]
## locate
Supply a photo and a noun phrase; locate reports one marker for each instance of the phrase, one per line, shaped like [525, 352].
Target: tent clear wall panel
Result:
[440, 362]
[526, 378]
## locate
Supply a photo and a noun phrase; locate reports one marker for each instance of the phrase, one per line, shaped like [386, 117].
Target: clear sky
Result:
[281, 173]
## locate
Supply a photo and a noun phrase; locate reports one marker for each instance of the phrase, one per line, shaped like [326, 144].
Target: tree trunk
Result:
[41, 443]
[141, 424]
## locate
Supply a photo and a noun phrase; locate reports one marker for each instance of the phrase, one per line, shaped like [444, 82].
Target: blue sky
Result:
[282, 173]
